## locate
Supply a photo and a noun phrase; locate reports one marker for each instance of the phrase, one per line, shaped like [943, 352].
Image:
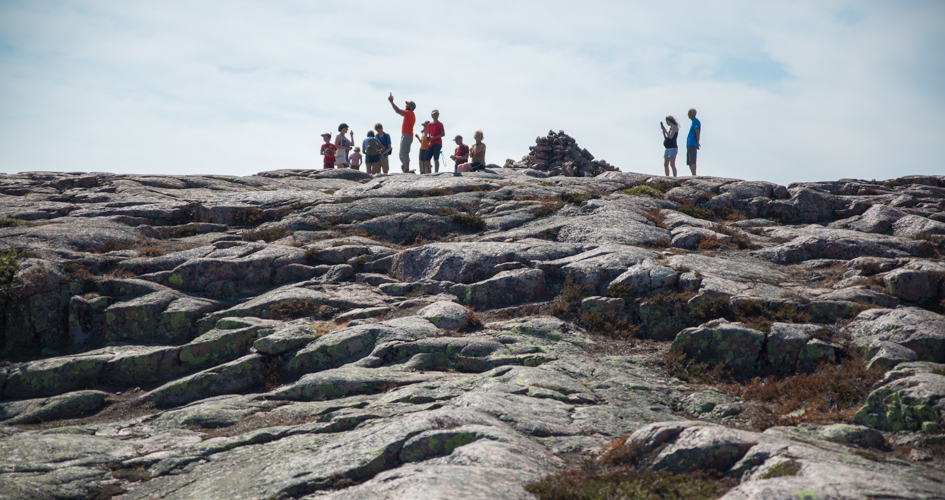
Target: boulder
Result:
[918, 330]
[919, 282]
[719, 342]
[445, 315]
[57, 407]
[228, 378]
[504, 289]
[912, 403]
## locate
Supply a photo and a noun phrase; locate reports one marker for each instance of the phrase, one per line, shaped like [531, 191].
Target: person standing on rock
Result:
[372, 154]
[424, 139]
[406, 131]
[437, 132]
[477, 153]
[343, 145]
[669, 142]
[461, 155]
[692, 141]
[384, 139]
[328, 151]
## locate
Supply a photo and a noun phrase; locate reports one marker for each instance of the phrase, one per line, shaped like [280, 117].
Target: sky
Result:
[786, 90]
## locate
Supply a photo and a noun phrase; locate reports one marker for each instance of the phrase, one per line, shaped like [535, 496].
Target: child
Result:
[354, 161]
[424, 139]
[328, 151]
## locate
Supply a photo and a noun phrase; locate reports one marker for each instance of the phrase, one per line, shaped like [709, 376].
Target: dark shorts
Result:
[477, 166]
[691, 155]
[372, 159]
[433, 151]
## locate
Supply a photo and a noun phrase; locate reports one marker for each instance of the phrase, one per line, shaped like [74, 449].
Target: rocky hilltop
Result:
[325, 334]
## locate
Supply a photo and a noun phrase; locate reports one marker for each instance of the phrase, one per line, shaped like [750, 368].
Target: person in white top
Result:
[343, 145]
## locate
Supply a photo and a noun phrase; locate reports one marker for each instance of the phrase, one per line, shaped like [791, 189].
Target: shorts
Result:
[372, 159]
[423, 155]
[405, 141]
[330, 162]
[691, 155]
[670, 152]
[385, 163]
[433, 151]
[475, 167]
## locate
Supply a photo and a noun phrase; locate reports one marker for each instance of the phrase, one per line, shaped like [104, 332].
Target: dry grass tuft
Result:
[547, 209]
[629, 482]
[569, 298]
[292, 309]
[832, 393]
[655, 216]
[472, 319]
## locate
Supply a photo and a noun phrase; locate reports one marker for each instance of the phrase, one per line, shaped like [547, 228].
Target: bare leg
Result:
[436, 163]
[693, 169]
[666, 166]
[672, 163]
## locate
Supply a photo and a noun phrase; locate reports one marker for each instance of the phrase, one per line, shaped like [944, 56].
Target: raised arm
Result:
[396, 109]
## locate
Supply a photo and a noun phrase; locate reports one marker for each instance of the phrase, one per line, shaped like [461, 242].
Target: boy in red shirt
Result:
[328, 151]
[462, 153]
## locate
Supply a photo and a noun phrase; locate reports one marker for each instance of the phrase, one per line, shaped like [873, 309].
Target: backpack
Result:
[372, 148]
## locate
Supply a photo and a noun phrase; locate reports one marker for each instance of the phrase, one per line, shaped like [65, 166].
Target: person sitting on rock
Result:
[461, 155]
[328, 151]
[477, 154]
[424, 139]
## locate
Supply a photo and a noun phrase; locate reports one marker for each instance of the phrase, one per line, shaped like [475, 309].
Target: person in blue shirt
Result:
[384, 138]
[692, 141]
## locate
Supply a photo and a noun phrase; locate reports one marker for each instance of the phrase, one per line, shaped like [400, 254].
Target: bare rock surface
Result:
[329, 334]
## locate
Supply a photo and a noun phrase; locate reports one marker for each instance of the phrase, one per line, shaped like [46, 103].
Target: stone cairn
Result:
[559, 154]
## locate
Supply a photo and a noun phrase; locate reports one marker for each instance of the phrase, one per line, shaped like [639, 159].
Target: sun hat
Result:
[326, 134]
[426, 122]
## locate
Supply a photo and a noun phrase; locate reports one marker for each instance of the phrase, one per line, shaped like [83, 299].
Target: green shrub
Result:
[248, 216]
[5, 222]
[783, 469]
[663, 187]
[547, 208]
[266, 235]
[709, 309]
[694, 211]
[644, 190]
[469, 221]
[8, 267]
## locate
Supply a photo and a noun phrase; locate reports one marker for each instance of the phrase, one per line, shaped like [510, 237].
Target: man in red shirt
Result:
[461, 155]
[437, 132]
[406, 130]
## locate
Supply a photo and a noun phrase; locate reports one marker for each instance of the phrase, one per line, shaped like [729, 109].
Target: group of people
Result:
[377, 146]
[692, 142]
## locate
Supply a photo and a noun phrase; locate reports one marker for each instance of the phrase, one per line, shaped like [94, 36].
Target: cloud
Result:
[786, 91]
